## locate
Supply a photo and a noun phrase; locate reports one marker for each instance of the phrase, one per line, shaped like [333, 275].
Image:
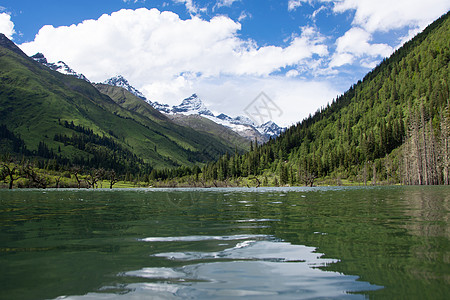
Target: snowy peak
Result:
[192, 105]
[60, 66]
[244, 126]
[239, 120]
[123, 83]
[270, 129]
[165, 108]
[40, 58]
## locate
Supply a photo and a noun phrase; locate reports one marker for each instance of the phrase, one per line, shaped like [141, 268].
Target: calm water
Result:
[277, 243]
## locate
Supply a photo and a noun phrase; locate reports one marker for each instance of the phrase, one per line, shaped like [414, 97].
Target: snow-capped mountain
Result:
[193, 105]
[123, 83]
[165, 108]
[270, 129]
[190, 106]
[244, 126]
[239, 120]
[60, 66]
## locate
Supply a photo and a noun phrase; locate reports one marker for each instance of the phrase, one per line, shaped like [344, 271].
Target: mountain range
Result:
[243, 126]
[193, 105]
[47, 114]
[60, 66]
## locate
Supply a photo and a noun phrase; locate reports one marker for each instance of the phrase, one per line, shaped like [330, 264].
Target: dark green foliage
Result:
[10, 143]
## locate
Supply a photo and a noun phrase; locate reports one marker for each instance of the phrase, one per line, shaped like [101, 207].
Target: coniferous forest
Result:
[391, 127]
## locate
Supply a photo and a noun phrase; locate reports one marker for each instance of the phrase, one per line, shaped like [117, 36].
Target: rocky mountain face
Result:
[123, 83]
[60, 66]
[244, 126]
[164, 108]
[192, 105]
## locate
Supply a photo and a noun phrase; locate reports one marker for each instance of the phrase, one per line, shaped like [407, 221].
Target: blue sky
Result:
[301, 53]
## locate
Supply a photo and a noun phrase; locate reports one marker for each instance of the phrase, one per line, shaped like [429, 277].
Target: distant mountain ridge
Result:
[60, 66]
[120, 81]
[193, 105]
[244, 126]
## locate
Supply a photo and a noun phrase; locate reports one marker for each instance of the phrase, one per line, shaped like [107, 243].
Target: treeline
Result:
[12, 143]
[39, 174]
[102, 152]
[426, 157]
[165, 174]
[105, 152]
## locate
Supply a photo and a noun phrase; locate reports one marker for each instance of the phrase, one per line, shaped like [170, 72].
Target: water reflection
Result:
[248, 266]
[430, 211]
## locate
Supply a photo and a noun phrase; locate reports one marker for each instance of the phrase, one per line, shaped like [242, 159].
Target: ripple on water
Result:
[249, 266]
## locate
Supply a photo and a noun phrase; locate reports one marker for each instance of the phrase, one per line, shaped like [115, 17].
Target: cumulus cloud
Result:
[6, 25]
[168, 58]
[296, 99]
[355, 43]
[317, 11]
[165, 56]
[382, 16]
[385, 15]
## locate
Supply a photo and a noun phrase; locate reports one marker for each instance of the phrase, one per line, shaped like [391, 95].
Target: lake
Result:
[265, 243]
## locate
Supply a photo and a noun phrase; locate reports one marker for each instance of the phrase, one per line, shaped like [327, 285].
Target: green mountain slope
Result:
[205, 125]
[60, 116]
[392, 126]
[186, 124]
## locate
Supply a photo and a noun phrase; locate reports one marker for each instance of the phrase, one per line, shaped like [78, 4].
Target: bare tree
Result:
[35, 178]
[94, 176]
[113, 178]
[57, 181]
[76, 172]
[10, 172]
[426, 153]
[445, 144]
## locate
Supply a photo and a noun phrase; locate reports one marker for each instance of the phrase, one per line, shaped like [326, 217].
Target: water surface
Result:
[266, 243]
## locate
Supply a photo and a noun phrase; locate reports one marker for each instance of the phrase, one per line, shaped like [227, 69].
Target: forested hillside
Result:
[393, 126]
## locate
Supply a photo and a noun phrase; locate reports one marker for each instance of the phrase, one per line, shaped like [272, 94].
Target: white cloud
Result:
[169, 58]
[293, 4]
[6, 25]
[355, 44]
[244, 15]
[226, 3]
[190, 6]
[292, 73]
[317, 11]
[385, 15]
[296, 99]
